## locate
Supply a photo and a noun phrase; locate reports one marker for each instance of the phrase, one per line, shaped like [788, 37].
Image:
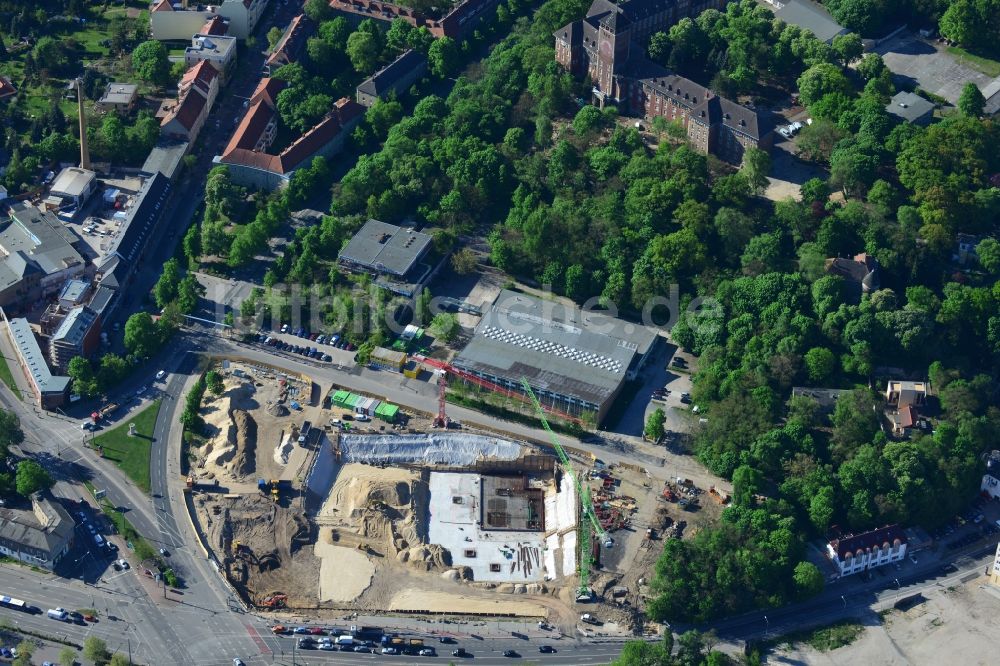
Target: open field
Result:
[131, 454]
[955, 625]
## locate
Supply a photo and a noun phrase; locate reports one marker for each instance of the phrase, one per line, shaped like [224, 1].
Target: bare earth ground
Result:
[956, 626]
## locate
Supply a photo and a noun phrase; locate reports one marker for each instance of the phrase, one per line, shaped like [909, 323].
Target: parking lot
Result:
[319, 347]
[915, 61]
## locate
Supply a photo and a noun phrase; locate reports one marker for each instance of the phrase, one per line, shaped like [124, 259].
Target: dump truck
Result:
[589, 619]
[262, 486]
[366, 633]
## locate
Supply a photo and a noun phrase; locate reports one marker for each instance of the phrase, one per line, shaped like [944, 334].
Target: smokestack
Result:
[84, 150]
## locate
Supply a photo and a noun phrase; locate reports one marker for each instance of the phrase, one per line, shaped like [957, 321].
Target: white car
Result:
[161, 374]
[364, 418]
[123, 563]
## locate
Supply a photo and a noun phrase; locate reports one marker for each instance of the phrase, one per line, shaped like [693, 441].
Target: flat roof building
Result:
[809, 16]
[50, 391]
[38, 256]
[74, 184]
[118, 97]
[575, 361]
[217, 50]
[394, 254]
[39, 537]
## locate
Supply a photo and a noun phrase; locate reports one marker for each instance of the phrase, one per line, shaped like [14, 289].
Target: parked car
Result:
[300, 630]
[546, 649]
[317, 631]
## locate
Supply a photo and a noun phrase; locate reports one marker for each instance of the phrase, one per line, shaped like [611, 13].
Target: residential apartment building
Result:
[218, 50]
[868, 550]
[79, 334]
[40, 537]
[196, 91]
[250, 164]
[606, 45]
[290, 46]
[394, 79]
[172, 20]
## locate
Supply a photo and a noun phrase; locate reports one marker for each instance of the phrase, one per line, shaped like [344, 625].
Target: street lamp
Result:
[844, 599]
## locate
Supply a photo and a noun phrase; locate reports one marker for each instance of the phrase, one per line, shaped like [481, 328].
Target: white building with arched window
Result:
[868, 550]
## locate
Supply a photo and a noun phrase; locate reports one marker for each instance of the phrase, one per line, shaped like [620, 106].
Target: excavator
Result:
[274, 601]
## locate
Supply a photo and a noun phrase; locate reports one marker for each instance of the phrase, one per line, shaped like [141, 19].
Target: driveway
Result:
[788, 172]
[915, 61]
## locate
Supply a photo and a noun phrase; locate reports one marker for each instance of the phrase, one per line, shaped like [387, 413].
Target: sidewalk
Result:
[10, 357]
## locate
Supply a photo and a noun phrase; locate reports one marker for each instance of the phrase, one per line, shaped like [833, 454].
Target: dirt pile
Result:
[425, 557]
[380, 504]
[264, 546]
[245, 457]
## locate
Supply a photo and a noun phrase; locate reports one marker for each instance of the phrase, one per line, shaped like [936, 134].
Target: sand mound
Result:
[426, 557]
[283, 449]
[361, 487]
[245, 458]
[344, 573]
[277, 410]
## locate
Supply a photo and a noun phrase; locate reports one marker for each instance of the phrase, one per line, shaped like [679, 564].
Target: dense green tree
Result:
[142, 338]
[84, 378]
[32, 477]
[654, 430]
[165, 289]
[756, 167]
[443, 58]
[363, 50]
[808, 579]
[820, 80]
[971, 101]
[150, 62]
[820, 363]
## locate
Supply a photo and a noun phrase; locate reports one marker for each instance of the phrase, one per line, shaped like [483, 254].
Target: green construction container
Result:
[352, 400]
[340, 398]
[387, 412]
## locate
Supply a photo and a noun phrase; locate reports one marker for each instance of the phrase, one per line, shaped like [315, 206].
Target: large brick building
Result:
[607, 46]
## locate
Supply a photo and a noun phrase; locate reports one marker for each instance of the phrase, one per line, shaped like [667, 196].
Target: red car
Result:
[317, 631]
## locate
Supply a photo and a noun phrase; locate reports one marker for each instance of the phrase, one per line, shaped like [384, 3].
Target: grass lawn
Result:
[8, 378]
[979, 63]
[131, 454]
[826, 638]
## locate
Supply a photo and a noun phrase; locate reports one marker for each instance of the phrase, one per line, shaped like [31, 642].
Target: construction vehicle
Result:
[589, 619]
[719, 496]
[275, 493]
[584, 593]
[262, 486]
[190, 482]
[274, 601]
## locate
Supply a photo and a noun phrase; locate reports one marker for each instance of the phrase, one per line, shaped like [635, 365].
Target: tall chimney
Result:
[84, 150]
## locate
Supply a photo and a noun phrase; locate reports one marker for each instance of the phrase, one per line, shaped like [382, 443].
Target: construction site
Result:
[307, 507]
